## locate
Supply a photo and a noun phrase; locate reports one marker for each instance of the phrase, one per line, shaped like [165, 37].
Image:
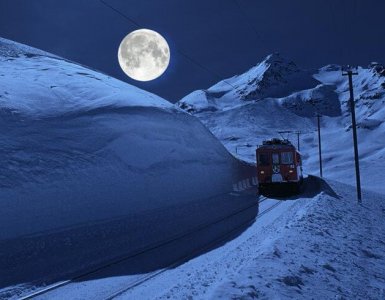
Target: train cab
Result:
[279, 165]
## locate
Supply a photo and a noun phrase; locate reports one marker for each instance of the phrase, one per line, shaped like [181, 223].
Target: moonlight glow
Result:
[144, 55]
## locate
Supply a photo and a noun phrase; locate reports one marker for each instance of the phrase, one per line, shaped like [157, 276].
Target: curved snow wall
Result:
[61, 172]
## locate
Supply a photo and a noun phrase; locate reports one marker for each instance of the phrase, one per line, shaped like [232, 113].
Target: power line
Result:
[204, 68]
[297, 132]
[120, 13]
[248, 18]
[179, 51]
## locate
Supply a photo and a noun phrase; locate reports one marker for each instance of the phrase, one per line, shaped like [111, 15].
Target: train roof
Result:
[276, 144]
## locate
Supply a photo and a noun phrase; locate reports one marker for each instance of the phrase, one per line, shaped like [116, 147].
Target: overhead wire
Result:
[120, 13]
[343, 26]
[335, 27]
[247, 17]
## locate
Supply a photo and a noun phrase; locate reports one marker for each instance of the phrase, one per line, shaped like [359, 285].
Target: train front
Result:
[279, 166]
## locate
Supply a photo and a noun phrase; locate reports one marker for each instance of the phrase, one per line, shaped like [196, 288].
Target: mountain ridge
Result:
[242, 124]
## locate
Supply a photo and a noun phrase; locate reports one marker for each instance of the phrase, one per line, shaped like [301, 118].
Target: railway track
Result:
[148, 276]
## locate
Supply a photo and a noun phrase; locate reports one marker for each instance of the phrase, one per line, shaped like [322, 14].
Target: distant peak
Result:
[273, 57]
[331, 68]
[377, 68]
[277, 58]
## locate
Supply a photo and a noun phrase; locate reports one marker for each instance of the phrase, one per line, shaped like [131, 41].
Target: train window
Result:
[263, 159]
[275, 158]
[287, 158]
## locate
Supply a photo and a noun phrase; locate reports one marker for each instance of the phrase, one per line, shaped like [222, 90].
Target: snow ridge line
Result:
[145, 250]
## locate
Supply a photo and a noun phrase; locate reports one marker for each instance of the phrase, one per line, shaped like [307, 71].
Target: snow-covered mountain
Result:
[276, 95]
[273, 77]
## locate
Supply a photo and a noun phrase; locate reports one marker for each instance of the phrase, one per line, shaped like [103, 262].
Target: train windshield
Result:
[275, 157]
[287, 158]
[263, 159]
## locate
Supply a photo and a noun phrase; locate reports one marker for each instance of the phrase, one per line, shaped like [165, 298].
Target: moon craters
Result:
[144, 55]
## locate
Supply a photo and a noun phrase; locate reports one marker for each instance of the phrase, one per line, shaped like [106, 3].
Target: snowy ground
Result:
[322, 246]
[319, 245]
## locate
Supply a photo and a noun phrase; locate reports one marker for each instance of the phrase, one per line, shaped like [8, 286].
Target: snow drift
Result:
[92, 168]
[79, 146]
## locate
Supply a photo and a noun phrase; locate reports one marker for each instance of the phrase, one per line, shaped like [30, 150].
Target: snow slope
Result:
[276, 95]
[40, 84]
[80, 149]
[321, 245]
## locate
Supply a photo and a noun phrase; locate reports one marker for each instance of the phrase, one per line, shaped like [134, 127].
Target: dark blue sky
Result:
[225, 36]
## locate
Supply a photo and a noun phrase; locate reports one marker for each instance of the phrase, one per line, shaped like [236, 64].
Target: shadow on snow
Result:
[72, 252]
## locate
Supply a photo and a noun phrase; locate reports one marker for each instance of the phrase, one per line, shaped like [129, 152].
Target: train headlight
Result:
[291, 171]
[262, 172]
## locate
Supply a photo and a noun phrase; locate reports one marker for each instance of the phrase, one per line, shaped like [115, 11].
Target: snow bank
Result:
[79, 146]
[92, 168]
[331, 249]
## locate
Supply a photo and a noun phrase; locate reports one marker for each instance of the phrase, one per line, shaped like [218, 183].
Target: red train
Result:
[279, 165]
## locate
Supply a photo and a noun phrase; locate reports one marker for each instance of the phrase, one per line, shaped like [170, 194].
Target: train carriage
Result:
[279, 166]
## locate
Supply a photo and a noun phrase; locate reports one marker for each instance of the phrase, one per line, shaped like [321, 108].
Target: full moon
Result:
[144, 55]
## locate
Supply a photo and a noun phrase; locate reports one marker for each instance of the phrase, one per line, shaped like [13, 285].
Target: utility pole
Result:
[319, 144]
[298, 133]
[349, 72]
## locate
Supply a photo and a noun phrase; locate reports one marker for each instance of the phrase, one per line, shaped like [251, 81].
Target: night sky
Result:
[220, 38]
